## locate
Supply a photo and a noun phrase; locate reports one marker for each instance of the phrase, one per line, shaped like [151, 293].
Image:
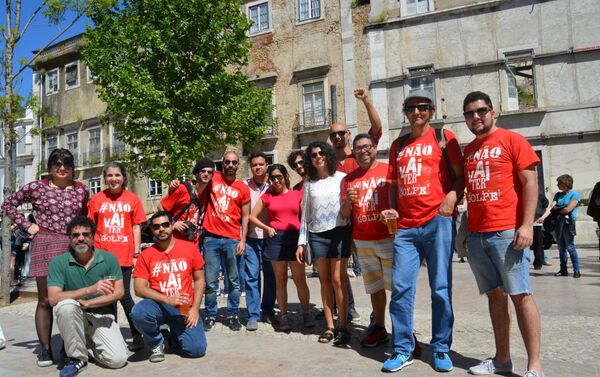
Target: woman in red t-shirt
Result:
[283, 208]
[118, 214]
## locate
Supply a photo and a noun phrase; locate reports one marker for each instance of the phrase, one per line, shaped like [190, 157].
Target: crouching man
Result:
[83, 285]
[163, 278]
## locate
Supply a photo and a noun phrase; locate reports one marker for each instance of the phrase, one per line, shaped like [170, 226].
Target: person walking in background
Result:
[328, 233]
[594, 210]
[539, 253]
[282, 227]
[118, 213]
[564, 205]
[460, 242]
[55, 201]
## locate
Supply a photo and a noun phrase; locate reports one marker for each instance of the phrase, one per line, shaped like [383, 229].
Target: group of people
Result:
[394, 215]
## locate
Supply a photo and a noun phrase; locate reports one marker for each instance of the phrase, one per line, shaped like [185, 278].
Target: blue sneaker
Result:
[442, 362]
[73, 368]
[396, 362]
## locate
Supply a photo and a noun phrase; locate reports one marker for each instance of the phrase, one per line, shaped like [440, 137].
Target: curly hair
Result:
[283, 170]
[82, 221]
[329, 158]
[291, 158]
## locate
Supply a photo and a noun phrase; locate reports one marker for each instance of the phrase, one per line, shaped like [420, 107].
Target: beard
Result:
[81, 248]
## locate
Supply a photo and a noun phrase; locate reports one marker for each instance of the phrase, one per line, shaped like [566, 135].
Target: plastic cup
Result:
[184, 308]
[392, 224]
[112, 279]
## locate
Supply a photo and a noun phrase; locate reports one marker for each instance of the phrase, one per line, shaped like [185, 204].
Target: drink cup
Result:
[184, 308]
[112, 279]
[392, 224]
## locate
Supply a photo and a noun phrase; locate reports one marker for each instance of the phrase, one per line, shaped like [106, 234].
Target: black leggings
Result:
[127, 302]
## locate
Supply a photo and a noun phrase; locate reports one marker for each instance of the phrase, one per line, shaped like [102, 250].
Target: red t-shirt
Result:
[283, 209]
[224, 213]
[115, 216]
[177, 200]
[366, 214]
[299, 186]
[493, 186]
[170, 273]
[424, 178]
[349, 164]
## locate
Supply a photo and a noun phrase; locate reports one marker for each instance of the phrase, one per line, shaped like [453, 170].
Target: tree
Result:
[170, 72]
[11, 107]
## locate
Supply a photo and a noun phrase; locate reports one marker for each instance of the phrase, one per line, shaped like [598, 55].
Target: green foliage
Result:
[170, 73]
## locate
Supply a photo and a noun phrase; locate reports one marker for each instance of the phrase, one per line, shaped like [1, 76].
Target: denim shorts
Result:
[495, 263]
[281, 247]
[334, 243]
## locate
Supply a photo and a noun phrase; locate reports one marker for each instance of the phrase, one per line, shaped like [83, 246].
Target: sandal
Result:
[342, 338]
[327, 336]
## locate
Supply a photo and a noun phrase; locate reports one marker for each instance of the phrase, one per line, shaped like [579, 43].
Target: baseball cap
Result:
[420, 93]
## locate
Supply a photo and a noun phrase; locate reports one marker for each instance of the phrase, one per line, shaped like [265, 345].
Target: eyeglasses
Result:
[165, 225]
[332, 135]
[278, 177]
[76, 235]
[317, 154]
[363, 148]
[57, 165]
[482, 111]
[206, 171]
[231, 162]
[420, 107]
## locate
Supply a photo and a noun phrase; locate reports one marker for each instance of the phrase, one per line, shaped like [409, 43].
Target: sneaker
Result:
[561, 273]
[533, 373]
[353, 315]
[44, 358]
[375, 336]
[547, 263]
[73, 368]
[243, 294]
[396, 362]
[577, 275]
[284, 323]
[442, 362]
[209, 323]
[137, 343]
[489, 366]
[234, 323]
[252, 325]
[308, 321]
[268, 318]
[158, 354]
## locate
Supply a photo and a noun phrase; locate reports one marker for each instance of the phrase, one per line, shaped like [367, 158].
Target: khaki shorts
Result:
[376, 263]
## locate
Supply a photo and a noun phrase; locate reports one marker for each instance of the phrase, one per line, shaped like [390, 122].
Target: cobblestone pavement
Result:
[569, 307]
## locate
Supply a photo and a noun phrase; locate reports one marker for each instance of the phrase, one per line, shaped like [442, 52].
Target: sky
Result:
[38, 34]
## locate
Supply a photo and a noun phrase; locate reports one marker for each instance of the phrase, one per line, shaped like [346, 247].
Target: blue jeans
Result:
[434, 243]
[217, 250]
[253, 258]
[148, 315]
[566, 244]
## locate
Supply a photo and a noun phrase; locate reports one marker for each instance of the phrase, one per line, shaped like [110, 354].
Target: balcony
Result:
[89, 159]
[272, 131]
[309, 121]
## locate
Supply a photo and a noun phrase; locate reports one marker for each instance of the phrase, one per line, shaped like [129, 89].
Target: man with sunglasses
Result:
[253, 256]
[339, 136]
[170, 280]
[502, 196]
[423, 194]
[187, 202]
[296, 161]
[226, 227]
[83, 297]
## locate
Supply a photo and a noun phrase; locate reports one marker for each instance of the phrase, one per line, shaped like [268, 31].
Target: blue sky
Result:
[38, 34]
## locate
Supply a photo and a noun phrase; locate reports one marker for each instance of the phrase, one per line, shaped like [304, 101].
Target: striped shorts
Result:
[376, 263]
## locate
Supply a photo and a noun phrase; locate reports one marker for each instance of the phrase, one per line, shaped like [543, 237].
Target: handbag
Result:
[306, 253]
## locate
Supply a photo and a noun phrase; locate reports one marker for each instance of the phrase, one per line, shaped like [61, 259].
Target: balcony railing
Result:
[312, 121]
[272, 130]
[87, 159]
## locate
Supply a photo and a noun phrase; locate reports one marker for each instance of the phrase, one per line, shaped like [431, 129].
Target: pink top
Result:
[283, 209]
[53, 208]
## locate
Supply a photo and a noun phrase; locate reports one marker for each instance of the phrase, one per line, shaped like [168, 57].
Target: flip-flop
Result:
[327, 336]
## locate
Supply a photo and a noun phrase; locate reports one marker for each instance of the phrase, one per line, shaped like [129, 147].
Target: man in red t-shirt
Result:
[364, 195]
[226, 226]
[169, 278]
[425, 183]
[188, 211]
[502, 198]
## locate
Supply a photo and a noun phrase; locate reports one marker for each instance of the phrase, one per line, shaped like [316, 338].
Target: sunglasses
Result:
[278, 177]
[482, 111]
[230, 162]
[317, 154]
[206, 171]
[421, 108]
[165, 225]
[332, 135]
[76, 235]
[298, 163]
[58, 165]
[363, 148]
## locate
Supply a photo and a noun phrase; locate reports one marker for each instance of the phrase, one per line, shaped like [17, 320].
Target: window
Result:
[71, 75]
[313, 99]
[421, 78]
[95, 146]
[309, 9]
[260, 17]
[118, 147]
[89, 75]
[21, 131]
[520, 80]
[413, 7]
[52, 81]
[95, 185]
[154, 188]
[73, 145]
[51, 144]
